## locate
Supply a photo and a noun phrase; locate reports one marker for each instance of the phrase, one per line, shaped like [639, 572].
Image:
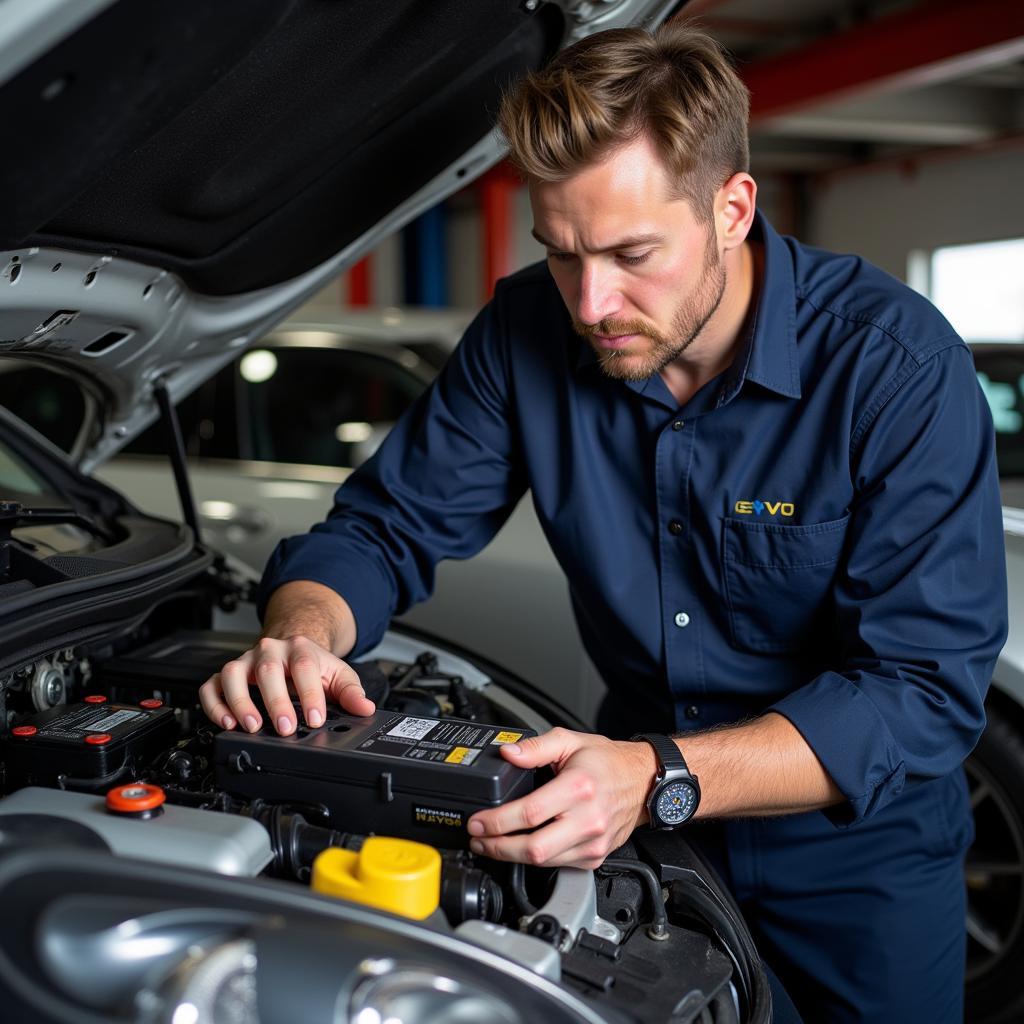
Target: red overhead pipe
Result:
[932, 42]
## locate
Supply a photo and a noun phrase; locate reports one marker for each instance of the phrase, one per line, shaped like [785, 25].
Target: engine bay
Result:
[216, 836]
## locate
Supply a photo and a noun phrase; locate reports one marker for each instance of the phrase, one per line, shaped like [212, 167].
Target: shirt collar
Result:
[769, 357]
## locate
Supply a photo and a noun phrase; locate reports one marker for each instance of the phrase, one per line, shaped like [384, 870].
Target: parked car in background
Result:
[270, 436]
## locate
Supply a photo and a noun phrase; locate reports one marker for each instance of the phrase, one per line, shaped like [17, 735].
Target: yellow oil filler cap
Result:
[397, 875]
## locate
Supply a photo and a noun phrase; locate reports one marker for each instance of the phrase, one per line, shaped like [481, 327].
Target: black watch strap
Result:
[666, 750]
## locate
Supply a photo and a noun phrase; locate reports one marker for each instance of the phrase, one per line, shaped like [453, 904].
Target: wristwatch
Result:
[676, 793]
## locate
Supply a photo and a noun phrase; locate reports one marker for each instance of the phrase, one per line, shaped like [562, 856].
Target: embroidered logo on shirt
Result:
[759, 507]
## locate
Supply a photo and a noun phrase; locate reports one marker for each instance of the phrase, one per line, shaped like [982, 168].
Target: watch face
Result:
[676, 802]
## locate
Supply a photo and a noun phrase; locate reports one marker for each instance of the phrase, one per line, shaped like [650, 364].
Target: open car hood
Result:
[182, 175]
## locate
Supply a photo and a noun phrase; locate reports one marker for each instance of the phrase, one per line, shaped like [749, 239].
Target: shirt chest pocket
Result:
[777, 580]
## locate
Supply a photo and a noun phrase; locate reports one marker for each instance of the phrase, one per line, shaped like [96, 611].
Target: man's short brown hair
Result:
[676, 86]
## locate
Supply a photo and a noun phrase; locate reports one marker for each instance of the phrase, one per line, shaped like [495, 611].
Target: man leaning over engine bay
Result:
[768, 473]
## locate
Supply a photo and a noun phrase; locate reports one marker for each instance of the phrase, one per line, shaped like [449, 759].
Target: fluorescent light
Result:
[220, 510]
[258, 366]
[353, 433]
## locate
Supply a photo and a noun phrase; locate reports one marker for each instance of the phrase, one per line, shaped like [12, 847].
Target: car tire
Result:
[994, 874]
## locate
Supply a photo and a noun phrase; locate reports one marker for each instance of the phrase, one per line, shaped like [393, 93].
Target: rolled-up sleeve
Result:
[920, 597]
[440, 486]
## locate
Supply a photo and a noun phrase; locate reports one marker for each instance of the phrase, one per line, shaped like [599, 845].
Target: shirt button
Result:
[675, 527]
[678, 425]
[693, 711]
[682, 619]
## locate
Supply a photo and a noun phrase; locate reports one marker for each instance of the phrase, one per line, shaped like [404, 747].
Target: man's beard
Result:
[688, 321]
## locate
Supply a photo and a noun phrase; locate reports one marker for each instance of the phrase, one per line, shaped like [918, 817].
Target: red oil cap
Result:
[24, 730]
[99, 738]
[134, 798]
[95, 698]
[151, 702]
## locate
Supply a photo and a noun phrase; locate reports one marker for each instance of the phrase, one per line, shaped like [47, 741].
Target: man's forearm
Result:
[764, 767]
[304, 608]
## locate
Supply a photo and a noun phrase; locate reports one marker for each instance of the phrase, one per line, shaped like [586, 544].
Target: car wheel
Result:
[995, 875]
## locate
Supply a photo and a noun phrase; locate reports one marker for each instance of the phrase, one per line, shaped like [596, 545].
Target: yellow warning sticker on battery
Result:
[507, 737]
[457, 756]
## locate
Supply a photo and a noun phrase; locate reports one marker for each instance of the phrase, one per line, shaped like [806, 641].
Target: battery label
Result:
[462, 755]
[429, 817]
[432, 739]
[507, 737]
[413, 728]
[72, 722]
[111, 721]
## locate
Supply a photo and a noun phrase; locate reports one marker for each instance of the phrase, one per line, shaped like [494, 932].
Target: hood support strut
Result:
[176, 449]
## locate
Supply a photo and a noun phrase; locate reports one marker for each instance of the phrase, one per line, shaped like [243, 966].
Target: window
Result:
[49, 402]
[16, 480]
[979, 288]
[1000, 371]
[207, 421]
[323, 406]
[318, 406]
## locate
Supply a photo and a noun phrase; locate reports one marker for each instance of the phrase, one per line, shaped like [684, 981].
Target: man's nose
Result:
[598, 296]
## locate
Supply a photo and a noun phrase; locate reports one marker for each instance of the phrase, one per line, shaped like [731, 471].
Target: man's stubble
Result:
[688, 321]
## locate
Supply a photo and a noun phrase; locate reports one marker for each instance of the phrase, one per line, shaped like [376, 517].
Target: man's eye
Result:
[633, 261]
[561, 257]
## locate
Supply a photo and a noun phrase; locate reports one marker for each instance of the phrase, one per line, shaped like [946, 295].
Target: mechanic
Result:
[768, 473]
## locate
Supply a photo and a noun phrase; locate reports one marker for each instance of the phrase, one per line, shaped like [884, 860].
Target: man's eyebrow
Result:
[623, 243]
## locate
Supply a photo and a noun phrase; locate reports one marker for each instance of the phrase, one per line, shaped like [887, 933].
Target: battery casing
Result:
[60, 745]
[387, 774]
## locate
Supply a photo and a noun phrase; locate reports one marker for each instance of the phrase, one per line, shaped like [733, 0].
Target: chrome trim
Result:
[332, 475]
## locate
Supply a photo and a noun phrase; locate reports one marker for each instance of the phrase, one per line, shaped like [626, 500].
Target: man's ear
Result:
[735, 205]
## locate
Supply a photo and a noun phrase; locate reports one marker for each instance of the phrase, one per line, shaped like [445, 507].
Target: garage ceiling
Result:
[837, 84]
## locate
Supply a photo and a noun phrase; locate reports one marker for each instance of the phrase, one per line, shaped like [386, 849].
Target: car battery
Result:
[387, 774]
[91, 743]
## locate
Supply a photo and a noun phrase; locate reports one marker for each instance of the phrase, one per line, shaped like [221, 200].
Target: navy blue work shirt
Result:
[816, 532]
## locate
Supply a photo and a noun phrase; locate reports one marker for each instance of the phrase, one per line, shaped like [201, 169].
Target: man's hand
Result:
[590, 808]
[314, 673]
